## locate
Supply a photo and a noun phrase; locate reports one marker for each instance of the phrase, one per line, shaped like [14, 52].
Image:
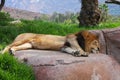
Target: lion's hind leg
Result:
[17, 45]
[20, 47]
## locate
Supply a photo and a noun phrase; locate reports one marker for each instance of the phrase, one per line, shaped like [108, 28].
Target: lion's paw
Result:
[78, 54]
[85, 54]
[12, 52]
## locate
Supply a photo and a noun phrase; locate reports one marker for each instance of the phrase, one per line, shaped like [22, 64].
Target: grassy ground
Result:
[10, 31]
[10, 68]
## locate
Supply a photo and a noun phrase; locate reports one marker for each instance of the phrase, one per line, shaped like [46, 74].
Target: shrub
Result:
[11, 69]
[104, 12]
[4, 18]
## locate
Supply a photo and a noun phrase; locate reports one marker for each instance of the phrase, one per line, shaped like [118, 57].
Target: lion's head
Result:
[89, 41]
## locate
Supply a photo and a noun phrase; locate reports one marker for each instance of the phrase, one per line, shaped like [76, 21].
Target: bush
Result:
[104, 12]
[4, 18]
[11, 69]
[69, 17]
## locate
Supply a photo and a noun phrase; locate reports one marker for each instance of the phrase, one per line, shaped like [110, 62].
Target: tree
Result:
[90, 13]
[113, 1]
[104, 12]
[2, 4]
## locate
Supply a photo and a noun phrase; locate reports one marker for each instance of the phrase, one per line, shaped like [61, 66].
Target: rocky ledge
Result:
[55, 65]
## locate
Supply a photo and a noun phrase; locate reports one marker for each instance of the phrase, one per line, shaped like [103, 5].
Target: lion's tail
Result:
[6, 49]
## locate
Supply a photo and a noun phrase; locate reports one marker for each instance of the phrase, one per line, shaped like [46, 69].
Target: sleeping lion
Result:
[78, 44]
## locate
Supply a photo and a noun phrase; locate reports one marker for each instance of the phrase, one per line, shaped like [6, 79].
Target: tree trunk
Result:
[90, 13]
[2, 4]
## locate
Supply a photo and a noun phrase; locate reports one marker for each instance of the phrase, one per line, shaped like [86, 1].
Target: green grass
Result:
[9, 32]
[10, 68]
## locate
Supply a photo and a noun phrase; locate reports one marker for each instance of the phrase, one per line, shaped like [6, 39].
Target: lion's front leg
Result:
[69, 50]
[74, 45]
[72, 51]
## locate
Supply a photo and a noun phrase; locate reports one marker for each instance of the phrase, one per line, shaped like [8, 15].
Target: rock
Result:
[109, 42]
[112, 40]
[54, 65]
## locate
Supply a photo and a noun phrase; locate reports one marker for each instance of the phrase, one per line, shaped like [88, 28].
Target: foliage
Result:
[104, 12]
[60, 17]
[9, 32]
[71, 18]
[11, 69]
[4, 18]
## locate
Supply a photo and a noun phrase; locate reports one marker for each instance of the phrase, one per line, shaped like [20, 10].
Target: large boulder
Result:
[55, 65]
[112, 40]
[109, 42]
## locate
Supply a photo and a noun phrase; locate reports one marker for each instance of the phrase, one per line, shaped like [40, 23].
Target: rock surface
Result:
[112, 38]
[55, 65]
[109, 42]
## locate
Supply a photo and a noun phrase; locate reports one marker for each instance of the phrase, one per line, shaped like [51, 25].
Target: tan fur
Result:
[91, 42]
[54, 42]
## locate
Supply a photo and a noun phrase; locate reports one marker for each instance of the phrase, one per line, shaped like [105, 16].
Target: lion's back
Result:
[24, 36]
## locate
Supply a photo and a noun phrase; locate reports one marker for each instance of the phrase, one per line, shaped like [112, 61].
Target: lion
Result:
[78, 44]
